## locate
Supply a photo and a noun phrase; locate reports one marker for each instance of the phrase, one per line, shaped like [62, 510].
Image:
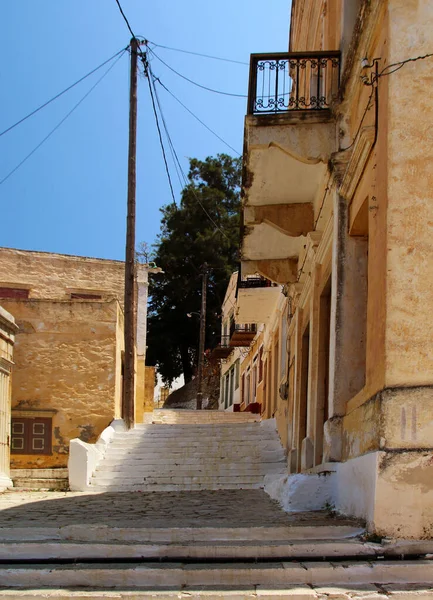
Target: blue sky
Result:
[70, 196]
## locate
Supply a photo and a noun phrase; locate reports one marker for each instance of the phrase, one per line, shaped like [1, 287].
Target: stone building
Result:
[337, 209]
[8, 330]
[68, 353]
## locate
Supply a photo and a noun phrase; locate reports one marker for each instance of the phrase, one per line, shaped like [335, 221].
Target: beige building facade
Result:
[337, 210]
[68, 351]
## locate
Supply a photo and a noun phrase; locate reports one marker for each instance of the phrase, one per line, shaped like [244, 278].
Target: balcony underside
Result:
[280, 270]
[242, 338]
[287, 162]
[257, 304]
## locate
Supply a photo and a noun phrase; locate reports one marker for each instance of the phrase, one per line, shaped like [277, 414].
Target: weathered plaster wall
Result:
[65, 357]
[409, 290]
[7, 340]
[55, 276]
[144, 390]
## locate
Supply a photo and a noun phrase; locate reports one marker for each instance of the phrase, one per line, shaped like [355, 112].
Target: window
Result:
[232, 385]
[11, 292]
[248, 387]
[283, 358]
[237, 367]
[226, 391]
[261, 364]
[254, 378]
[31, 435]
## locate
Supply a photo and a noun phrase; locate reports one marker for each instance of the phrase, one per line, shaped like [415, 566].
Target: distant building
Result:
[69, 352]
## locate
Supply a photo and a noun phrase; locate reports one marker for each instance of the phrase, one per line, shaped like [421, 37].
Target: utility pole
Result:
[202, 338]
[128, 399]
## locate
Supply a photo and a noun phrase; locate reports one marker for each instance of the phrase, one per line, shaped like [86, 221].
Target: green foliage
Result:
[189, 238]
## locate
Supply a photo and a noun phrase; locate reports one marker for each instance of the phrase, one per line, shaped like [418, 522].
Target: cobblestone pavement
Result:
[222, 508]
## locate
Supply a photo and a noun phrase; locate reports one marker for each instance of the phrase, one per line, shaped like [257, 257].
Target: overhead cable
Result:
[159, 133]
[125, 19]
[194, 82]
[401, 64]
[61, 122]
[191, 186]
[173, 152]
[196, 117]
[238, 62]
[61, 93]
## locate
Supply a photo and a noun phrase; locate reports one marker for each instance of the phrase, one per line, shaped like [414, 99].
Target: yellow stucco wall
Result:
[65, 361]
[55, 276]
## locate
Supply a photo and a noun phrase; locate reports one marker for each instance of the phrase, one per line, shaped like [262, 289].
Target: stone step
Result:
[160, 533]
[259, 592]
[191, 470]
[56, 484]
[132, 479]
[174, 487]
[131, 459]
[241, 437]
[239, 550]
[181, 443]
[163, 575]
[200, 416]
[268, 425]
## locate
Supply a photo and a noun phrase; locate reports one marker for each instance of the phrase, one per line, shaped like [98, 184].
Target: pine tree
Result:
[203, 229]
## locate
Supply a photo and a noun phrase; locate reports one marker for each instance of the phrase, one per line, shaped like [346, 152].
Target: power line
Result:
[61, 93]
[238, 62]
[191, 187]
[196, 117]
[125, 19]
[367, 108]
[60, 122]
[173, 152]
[194, 82]
[159, 131]
[401, 64]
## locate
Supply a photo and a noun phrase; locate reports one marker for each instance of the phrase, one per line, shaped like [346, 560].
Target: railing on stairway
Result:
[293, 81]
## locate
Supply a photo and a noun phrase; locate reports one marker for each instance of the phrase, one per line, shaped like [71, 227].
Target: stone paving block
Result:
[292, 592]
[401, 591]
[356, 592]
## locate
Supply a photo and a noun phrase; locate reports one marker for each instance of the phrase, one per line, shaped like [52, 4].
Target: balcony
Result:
[289, 138]
[257, 299]
[293, 81]
[223, 349]
[242, 335]
[255, 282]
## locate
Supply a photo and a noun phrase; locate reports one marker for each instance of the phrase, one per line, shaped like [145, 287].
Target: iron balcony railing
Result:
[293, 81]
[236, 328]
[256, 282]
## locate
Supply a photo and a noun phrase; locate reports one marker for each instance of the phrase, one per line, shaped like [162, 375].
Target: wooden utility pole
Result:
[202, 338]
[128, 401]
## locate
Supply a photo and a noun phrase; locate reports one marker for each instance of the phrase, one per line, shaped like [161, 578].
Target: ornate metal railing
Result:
[242, 328]
[293, 81]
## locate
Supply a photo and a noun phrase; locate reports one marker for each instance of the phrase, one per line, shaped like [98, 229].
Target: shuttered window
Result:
[10, 292]
[31, 435]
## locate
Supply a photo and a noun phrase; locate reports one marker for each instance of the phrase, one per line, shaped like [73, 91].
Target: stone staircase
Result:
[198, 526]
[183, 450]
